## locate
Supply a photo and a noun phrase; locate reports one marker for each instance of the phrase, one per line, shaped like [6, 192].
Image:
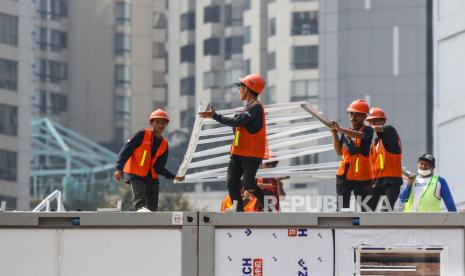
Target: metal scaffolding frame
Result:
[62, 157]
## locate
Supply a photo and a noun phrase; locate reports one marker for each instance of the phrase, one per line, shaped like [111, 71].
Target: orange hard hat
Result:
[376, 113]
[359, 106]
[159, 114]
[254, 82]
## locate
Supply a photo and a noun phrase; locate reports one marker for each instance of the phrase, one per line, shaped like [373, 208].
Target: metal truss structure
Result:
[63, 159]
[292, 132]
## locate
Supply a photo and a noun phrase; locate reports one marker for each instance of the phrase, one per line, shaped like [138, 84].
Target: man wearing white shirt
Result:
[425, 191]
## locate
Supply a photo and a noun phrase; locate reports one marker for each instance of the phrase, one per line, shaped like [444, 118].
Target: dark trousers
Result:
[360, 189]
[245, 168]
[145, 193]
[390, 190]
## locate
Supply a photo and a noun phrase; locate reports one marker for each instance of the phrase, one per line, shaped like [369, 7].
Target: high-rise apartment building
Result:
[449, 92]
[377, 50]
[100, 65]
[16, 84]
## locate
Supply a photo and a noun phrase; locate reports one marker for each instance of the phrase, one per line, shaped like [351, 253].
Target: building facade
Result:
[16, 84]
[377, 50]
[100, 65]
[449, 92]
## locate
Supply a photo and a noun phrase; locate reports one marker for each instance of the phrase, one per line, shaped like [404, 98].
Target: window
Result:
[158, 79]
[188, 21]
[232, 15]
[52, 71]
[8, 74]
[158, 50]
[122, 76]
[43, 102]
[55, 40]
[8, 29]
[211, 46]
[58, 9]
[304, 23]
[303, 90]
[122, 44]
[211, 79]
[122, 105]
[159, 21]
[247, 67]
[42, 8]
[122, 13]
[59, 40]
[188, 86]
[271, 61]
[43, 74]
[8, 165]
[58, 71]
[187, 118]
[304, 57]
[233, 45]
[272, 26]
[58, 103]
[247, 34]
[43, 41]
[247, 5]
[232, 76]
[188, 53]
[10, 202]
[8, 119]
[211, 14]
[270, 95]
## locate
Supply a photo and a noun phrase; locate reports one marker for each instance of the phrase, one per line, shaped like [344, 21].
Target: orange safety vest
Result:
[248, 144]
[251, 206]
[141, 160]
[226, 204]
[360, 166]
[385, 164]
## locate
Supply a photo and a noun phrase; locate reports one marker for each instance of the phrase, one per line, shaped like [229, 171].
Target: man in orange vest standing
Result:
[142, 159]
[386, 155]
[355, 170]
[249, 143]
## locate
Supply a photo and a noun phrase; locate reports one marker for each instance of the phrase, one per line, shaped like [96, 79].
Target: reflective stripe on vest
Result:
[381, 161]
[143, 158]
[236, 138]
[428, 201]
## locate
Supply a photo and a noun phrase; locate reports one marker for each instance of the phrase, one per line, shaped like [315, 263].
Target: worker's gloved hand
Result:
[209, 113]
[334, 127]
[118, 175]
[179, 178]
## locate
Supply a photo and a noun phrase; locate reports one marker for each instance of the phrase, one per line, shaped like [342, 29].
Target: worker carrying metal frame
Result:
[355, 172]
[386, 155]
[142, 159]
[249, 145]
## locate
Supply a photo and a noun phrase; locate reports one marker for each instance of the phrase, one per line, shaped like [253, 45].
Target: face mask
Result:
[424, 172]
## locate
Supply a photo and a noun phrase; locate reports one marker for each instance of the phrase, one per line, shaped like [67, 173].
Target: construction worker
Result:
[355, 170]
[386, 155]
[272, 186]
[142, 159]
[424, 192]
[249, 143]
